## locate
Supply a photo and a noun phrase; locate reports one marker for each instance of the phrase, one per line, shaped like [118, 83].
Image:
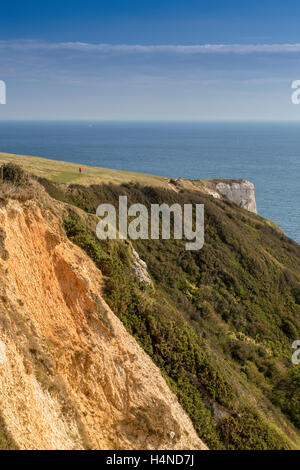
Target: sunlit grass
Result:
[67, 172]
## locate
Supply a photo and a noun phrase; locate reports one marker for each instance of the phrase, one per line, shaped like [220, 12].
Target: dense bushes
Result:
[180, 321]
[246, 431]
[286, 394]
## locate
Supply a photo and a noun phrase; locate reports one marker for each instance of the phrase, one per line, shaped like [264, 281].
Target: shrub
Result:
[14, 173]
[246, 431]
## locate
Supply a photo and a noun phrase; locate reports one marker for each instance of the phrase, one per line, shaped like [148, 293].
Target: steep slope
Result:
[219, 322]
[73, 377]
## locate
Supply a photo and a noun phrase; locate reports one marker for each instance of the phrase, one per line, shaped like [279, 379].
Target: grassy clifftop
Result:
[67, 173]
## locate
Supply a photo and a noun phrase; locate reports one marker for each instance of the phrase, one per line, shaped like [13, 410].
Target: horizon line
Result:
[91, 120]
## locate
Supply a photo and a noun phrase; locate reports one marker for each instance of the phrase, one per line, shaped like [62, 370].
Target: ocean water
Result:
[268, 154]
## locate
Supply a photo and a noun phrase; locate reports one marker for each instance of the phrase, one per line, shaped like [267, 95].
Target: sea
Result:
[265, 153]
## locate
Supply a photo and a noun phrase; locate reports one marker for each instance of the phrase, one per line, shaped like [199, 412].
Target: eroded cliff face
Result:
[71, 376]
[240, 192]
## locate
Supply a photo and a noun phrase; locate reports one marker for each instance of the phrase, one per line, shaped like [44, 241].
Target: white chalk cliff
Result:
[240, 191]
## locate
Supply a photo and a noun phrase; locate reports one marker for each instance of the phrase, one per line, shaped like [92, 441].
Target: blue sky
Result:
[181, 60]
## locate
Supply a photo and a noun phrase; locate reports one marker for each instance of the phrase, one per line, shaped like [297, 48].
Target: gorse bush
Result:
[247, 431]
[286, 394]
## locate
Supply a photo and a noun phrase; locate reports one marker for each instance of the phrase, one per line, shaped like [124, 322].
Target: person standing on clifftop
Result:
[80, 170]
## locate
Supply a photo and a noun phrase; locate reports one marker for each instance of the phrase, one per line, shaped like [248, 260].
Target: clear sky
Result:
[181, 60]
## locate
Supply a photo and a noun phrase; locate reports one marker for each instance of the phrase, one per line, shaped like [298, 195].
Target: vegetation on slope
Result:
[219, 322]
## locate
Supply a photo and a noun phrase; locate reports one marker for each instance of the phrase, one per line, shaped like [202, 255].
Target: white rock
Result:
[212, 193]
[240, 192]
[140, 268]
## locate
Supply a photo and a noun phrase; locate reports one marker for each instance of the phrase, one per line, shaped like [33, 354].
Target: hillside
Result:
[218, 323]
[74, 378]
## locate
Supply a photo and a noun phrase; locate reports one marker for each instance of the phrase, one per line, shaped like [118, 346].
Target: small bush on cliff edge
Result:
[14, 173]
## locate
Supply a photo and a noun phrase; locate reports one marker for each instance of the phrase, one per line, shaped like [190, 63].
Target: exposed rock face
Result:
[212, 193]
[72, 378]
[240, 192]
[140, 268]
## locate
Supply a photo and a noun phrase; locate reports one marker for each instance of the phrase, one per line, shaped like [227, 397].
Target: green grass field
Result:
[65, 172]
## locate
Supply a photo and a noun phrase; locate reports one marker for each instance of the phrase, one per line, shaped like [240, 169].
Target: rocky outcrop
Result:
[71, 377]
[212, 193]
[241, 192]
[139, 268]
